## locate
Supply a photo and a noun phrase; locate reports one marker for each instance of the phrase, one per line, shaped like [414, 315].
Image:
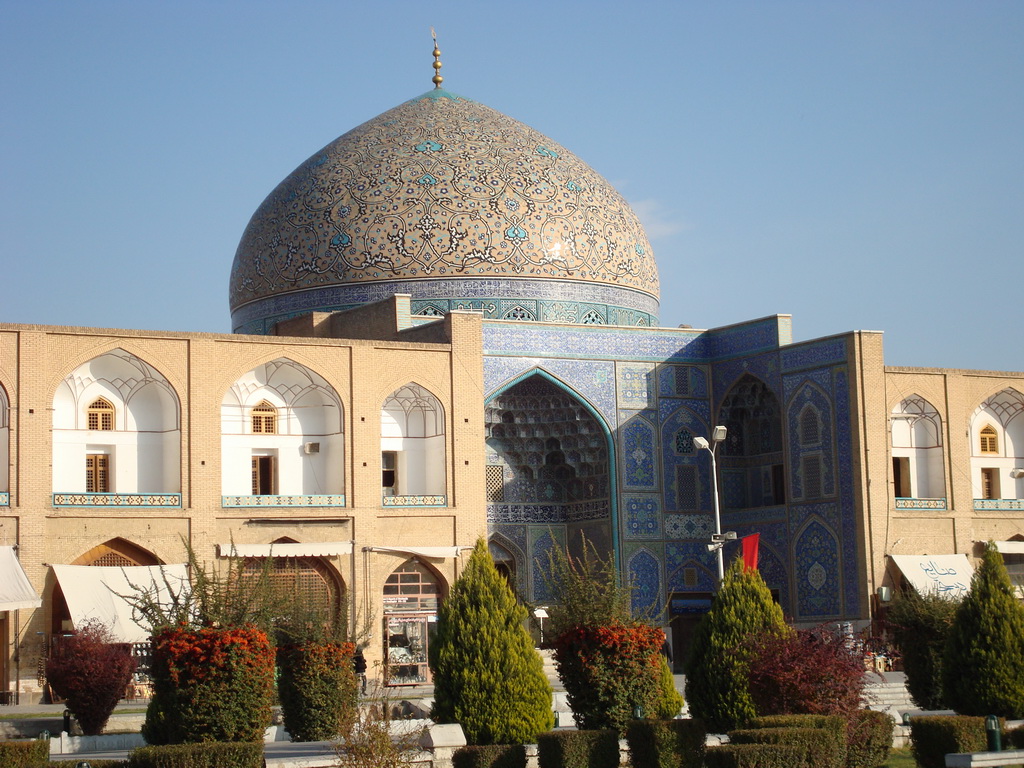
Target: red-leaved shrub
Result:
[813, 672]
[210, 684]
[609, 670]
[91, 672]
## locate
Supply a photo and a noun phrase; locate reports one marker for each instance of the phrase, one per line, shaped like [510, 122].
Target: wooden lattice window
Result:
[113, 559]
[264, 419]
[296, 577]
[989, 440]
[97, 473]
[495, 480]
[411, 587]
[990, 483]
[810, 469]
[100, 415]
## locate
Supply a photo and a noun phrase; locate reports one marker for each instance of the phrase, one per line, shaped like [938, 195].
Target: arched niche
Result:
[412, 444]
[917, 462]
[751, 458]
[997, 446]
[137, 450]
[282, 435]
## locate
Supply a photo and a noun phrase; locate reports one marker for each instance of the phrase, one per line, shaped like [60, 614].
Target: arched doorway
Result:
[411, 596]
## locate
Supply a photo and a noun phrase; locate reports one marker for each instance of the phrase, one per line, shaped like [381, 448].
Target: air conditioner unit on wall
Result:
[311, 447]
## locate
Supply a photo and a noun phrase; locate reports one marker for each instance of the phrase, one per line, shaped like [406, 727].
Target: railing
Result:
[269, 500]
[117, 499]
[414, 501]
[997, 505]
[908, 503]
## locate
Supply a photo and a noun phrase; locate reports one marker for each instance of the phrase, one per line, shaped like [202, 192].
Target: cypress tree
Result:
[716, 668]
[487, 675]
[983, 670]
[920, 626]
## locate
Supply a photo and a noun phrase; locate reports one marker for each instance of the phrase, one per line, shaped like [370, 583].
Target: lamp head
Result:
[701, 443]
[1017, 472]
[719, 434]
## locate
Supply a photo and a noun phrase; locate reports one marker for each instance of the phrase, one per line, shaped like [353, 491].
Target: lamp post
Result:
[718, 541]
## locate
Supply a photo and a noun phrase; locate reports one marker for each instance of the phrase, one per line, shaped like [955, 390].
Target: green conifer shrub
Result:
[718, 663]
[317, 688]
[490, 756]
[670, 701]
[756, 756]
[868, 739]
[206, 755]
[487, 675]
[983, 668]
[920, 626]
[825, 747]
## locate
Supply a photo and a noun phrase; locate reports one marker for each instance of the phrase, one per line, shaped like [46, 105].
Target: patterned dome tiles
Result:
[441, 186]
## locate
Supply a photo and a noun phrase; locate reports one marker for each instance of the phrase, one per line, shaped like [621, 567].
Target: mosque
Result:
[446, 326]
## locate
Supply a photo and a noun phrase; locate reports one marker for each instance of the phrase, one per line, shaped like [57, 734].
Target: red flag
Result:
[750, 551]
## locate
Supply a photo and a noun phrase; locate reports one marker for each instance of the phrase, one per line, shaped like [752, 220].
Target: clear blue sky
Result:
[859, 165]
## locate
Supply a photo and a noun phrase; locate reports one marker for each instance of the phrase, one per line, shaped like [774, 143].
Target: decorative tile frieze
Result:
[938, 504]
[268, 500]
[414, 501]
[117, 499]
[997, 505]
[5, 499]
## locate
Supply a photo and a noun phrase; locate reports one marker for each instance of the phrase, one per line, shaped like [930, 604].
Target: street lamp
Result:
[1017, 472]
[717, 436]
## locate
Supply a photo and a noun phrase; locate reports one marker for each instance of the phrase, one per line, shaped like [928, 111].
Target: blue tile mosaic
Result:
[593, 381]
[643, 515]
[639, 455]
[814, 354]
[635, 385]
[594, 343]
[816, 565]
[689, 527]
[645, 579]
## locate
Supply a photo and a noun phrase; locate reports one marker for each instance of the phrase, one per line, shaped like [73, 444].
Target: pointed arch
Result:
[413, 448]
[534, 416]
[5, 448]
[117, 552]
[282, 437]
[818, 567]
[918, 470]
[751, 458]
[811, 473]
[116, 418]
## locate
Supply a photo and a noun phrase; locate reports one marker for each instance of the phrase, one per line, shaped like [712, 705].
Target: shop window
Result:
[411, 595]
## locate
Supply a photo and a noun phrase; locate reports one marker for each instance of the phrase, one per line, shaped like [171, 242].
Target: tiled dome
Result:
[458, 205]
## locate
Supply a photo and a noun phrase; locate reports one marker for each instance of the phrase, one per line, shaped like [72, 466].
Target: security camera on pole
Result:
[718, 539]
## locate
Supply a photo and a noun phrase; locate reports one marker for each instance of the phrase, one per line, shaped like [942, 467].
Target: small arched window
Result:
[264, 419]
[100, 415]
[810, 427]
[989, 440]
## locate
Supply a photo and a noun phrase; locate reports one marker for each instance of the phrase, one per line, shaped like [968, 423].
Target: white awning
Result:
[945, 575]
[15, 589]
[1010, 547]
[93, 593]
[436, 552]
[328, 549]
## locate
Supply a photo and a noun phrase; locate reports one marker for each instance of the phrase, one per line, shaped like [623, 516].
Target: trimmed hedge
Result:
[210, 754]
[666, 743]
[823, 747]
[25, 753]
[318, 689]
[834, 724]
[490, 756]
[1014, 738]
[868, 739]
[935, 736]
[755, 756]
[578, 749]
[92, 763]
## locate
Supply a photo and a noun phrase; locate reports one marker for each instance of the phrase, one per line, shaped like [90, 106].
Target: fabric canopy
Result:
[329, 549]
[15, 589]
[945, 575]
[94, 593]
[1010, 547]
[438, 552]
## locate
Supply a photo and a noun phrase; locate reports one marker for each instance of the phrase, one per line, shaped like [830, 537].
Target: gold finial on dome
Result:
[436, 79]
